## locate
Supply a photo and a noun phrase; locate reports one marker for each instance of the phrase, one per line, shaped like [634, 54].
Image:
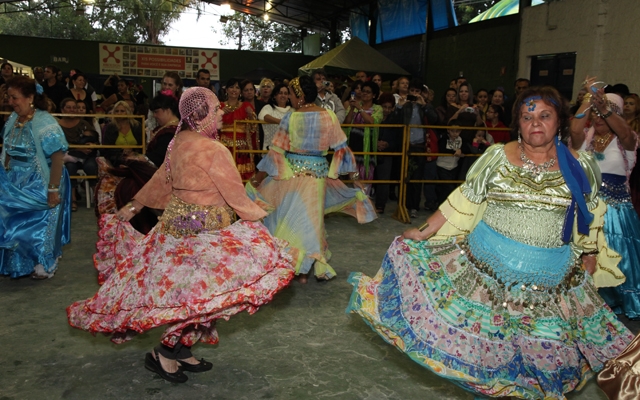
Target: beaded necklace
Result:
[535, 169]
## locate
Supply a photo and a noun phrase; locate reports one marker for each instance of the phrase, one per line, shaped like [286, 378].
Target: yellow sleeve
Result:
[465, 206]
[462, 215]
[607, 273]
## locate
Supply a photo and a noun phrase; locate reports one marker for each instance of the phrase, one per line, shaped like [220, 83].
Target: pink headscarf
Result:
[200, 110]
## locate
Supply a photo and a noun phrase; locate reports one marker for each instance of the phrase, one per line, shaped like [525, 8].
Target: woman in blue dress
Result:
[613, 144]
[34, 186]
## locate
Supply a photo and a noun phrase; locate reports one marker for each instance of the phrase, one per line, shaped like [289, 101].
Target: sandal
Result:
[379, 210]
[74, 206]
[152, 363]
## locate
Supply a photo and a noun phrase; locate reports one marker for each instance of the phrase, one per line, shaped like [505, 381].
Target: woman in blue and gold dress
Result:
[613, 144]
[34, 195]
[493, 292]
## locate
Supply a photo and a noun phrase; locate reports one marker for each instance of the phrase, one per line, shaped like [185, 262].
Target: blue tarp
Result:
[395, 19]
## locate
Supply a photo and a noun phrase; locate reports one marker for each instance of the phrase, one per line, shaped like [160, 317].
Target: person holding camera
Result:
[326, 98]
[416, 111]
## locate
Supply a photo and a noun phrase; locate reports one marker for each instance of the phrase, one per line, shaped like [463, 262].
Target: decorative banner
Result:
[154, 61]
[110, 58]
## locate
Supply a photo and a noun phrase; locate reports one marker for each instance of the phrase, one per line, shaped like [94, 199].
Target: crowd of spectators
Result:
[366, 100]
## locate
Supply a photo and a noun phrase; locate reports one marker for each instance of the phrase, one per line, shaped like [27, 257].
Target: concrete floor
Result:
[300, 346]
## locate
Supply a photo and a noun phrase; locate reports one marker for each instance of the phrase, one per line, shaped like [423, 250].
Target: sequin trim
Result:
[307, 165]
[536, 198]
[458, 211]
[185, 219]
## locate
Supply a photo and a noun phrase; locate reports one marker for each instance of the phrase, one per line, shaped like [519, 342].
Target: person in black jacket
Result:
[389, 140]
[416, 111]
[449, 166]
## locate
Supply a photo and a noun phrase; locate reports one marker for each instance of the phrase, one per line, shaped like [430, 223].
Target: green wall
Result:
[481, 50]
[83, 55]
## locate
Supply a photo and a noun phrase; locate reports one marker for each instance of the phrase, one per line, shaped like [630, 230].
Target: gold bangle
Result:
[423, 226]
[132, 208]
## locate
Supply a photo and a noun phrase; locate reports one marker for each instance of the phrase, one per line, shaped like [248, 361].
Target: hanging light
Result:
[265, 17]
[225, 7]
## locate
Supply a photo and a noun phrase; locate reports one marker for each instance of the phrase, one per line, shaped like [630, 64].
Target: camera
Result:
[326, 83]
[411, 97]
[469, 110]
[353, 95]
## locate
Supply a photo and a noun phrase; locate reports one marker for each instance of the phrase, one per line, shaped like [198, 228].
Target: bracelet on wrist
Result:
[53, 190]
[52, 186]
[423, 226]
[132, 209]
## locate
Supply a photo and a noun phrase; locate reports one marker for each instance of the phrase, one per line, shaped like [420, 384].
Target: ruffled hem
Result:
[275, 164]
[424, 302]
[343, 162]
[157, 279]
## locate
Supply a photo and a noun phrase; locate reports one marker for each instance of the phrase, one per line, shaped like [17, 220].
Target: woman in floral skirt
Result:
[195, 266]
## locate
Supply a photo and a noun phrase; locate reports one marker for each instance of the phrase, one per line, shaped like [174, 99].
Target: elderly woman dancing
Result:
[613, 144]
[298, 151]
[192, 268]
[34, 196]
[495, 291]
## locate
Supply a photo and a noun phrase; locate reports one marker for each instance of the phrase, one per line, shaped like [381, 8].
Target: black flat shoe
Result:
[202, 366]
[153, 365]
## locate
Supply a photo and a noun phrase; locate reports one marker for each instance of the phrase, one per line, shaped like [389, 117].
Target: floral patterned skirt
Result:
[184, 282]
[454, 314]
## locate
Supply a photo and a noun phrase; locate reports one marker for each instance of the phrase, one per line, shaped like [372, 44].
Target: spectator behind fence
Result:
[448, 100]
[203, 78]
[79, 91]
[497, 98]
[246, 134]
[266, 88]
[326, 98]
[448, 167]
[6, 73]
[123, 94]
[273, 112]
[170, 81]
[415, 111]
[364, 139]
[78, 131]
[121, 132]
[52, 87]
[493, 120]
[482, 101]
[38, 74]
[355, 94]
[389, 140]
[34, 200]
[81, 108]
[520, 85]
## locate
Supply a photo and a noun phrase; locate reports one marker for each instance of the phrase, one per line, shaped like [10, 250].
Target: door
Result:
[556, 70]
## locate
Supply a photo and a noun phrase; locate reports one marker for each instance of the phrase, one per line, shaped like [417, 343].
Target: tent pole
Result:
[373, 22]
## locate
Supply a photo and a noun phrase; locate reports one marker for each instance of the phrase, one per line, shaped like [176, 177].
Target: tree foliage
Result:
[126, 21]
[250, 32]
[466, 10]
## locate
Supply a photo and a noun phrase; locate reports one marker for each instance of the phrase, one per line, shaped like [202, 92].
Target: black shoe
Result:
[202, 366]
[153, 365]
